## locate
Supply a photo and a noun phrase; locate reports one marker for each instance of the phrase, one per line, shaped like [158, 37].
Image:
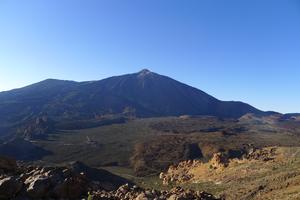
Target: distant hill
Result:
[142, 94]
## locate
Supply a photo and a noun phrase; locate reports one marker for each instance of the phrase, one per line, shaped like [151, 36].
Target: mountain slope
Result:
[142, 94]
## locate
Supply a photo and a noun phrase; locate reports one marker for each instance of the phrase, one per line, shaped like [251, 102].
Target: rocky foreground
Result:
[126, 193]
[77, 181]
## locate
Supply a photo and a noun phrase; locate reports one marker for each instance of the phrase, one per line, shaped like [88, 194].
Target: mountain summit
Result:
[145, 72]
[145, 94]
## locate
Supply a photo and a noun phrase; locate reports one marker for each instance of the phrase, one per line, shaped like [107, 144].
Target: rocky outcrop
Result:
[78, 181]
[219, 160]
[265, 154]
[135, 193]
[182, 172]
[37, 128]
[194, 170]
[179, 173]
[71, 182]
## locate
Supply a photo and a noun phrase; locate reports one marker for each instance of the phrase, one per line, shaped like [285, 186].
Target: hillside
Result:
[142, 94]
[157, 142]
[267, 173]
[139, 149]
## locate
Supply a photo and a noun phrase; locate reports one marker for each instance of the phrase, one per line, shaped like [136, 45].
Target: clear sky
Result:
[246, 50]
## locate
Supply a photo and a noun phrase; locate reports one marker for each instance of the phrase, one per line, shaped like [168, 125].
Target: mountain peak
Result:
[146, 92]
[144, 72]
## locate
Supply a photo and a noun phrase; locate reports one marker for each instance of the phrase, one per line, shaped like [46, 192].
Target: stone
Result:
[173, 197]
[141, 196]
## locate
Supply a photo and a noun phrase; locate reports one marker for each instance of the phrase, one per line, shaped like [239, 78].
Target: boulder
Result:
[173, 197]
[141, 196]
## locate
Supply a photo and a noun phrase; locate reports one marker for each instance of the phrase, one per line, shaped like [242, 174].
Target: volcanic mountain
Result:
[142, 94]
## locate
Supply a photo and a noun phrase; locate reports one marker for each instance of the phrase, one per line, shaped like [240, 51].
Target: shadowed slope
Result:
[142, 94]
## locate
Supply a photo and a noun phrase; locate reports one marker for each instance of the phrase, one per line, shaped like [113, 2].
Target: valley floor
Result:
[140, 149]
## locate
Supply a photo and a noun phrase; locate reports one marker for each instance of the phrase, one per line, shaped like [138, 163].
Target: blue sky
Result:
[235, 50]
